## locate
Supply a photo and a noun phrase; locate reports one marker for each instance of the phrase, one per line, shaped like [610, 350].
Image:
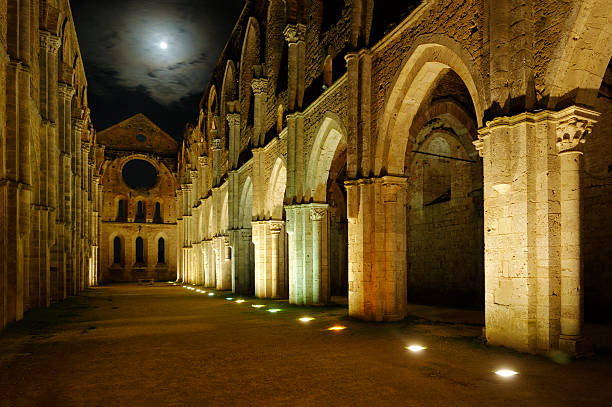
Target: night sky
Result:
[151, 56]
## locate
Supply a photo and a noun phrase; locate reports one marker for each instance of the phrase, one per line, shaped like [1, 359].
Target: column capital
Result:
[65, 91]
[294, 33]
[217, 144]
[276, 226]
[574, 125]
[78, 124]
[194, 174]
[187, 187]
[203, 160]
[49, 42]
[259, 85]
[233, 119]
[318, 212]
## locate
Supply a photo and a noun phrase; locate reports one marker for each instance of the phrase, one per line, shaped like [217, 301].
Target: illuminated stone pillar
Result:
[575, 125]
[210, 279]
[180, 243]
[308, 232]
[217, 147]
[270, 279]
[260, 92]
[376, 211]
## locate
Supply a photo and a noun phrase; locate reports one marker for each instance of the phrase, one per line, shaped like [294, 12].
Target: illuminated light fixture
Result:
[257, 305]
[336, 328]
[274, 310]
[505, 372]
[211, 294]
[184, 286]
[306, 319]
[415, 348]
[229, 298]
[239, 301]
[198, 291]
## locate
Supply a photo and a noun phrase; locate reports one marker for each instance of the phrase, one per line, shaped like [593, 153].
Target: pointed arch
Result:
[228, 93]
[418, 75]
[250, 57]
[581, 59]
[246, 204]
[276, 190]
[330, 137]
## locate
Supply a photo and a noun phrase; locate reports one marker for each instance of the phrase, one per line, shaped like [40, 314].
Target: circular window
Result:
[139, 174]
[141, 137]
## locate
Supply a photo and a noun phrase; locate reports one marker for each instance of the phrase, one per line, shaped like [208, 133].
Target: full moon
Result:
[163, 45]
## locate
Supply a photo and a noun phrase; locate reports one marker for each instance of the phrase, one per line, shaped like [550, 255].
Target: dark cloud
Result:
[127, 70]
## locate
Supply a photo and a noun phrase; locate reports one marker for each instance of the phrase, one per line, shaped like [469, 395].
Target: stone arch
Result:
[330, 137]
[580, 62]
[224, 218]
[212, 109]
[228, 94]
[276, 190]
[250, 57]
[419, 73]
[111, 243]
[246, 204]
[276, 22]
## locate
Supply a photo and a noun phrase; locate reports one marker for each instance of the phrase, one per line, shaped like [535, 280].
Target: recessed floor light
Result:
[229, 298]
[211, 294]
[505, 372]
[239, 301]
[336, 328]
[415, 348]
[306, 319]
[274, 310]
[257, 305]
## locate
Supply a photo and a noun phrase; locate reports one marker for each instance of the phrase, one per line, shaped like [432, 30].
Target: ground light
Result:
[415, 348]
[229, 298]
[198, 291]
[306, 319]
[257, 305]
[239, 301]
[505, 372]
[274, 310]
[211, 294]
[336, 328]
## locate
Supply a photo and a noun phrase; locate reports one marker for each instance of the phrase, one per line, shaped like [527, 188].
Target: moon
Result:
[163, 45]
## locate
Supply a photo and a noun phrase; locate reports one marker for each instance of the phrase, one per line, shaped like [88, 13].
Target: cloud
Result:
[124, 37]
[120, 39]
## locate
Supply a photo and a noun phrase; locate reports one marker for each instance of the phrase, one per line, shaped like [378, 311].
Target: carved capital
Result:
[246, 234]
[259, 85]
[187, 187]
[573, 128]
[65, 91]
[225, 240]
[294, 33]
[77, 125]
[217, 144]
[317, 213]
[276, 227]
[233, 119]
[194, 174]
[203, 160]
[49, 42]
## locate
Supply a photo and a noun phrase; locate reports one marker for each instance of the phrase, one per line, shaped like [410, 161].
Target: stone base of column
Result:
[576, 346]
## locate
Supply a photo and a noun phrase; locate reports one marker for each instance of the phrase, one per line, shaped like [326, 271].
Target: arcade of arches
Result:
[454, 156]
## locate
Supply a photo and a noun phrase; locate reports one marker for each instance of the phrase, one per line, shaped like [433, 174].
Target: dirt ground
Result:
[129, 345]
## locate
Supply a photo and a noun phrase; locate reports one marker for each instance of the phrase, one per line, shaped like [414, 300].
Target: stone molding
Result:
[276, 226]
[203, 160]
[317, 213]
[295, 33]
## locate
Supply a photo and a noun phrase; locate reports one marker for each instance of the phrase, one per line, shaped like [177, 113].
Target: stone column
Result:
[275, 230]
[377, 245]
[308, 232]
[204, 187]
[217, 147]
[260, 92]
[575, 125]
[295, 37]
[180, 232]
[233, 120]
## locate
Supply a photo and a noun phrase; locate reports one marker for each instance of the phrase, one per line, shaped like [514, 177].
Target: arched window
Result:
[139, 250]
[327, 72]
[161, 250]
[140, 212]
[122, 210]
[117, 250]
[157, 217]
